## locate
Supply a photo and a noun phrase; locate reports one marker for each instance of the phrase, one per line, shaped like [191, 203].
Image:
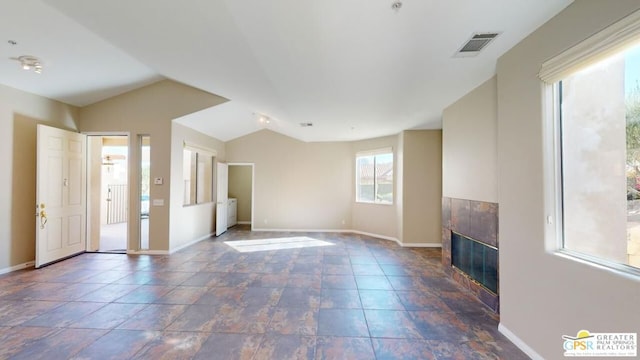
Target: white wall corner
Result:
[519, 343]
[191, 243]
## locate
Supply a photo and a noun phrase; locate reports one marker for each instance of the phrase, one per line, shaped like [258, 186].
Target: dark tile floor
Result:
[361, 298]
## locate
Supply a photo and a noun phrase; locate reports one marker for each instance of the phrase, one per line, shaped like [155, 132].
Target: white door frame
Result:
[253, 187]
[222, 191]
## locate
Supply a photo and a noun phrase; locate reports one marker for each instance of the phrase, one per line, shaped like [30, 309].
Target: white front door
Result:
[60, 194]
[222, 198]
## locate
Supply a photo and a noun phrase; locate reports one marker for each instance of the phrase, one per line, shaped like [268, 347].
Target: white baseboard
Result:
[421, 245]
[28, 264]
[519, 343]
[383, 237]
[191, 243]
[306, 230]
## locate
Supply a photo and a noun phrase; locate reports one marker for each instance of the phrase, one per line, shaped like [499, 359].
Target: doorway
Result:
[240, 194]
[108, 191]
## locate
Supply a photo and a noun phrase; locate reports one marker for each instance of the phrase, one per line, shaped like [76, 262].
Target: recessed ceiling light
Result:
[263, 119]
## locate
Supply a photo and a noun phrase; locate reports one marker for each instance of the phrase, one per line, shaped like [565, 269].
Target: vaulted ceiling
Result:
[354, 69]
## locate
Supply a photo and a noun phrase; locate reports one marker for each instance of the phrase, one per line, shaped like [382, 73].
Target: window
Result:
[197, 167]
[598, 156]
[374, 177]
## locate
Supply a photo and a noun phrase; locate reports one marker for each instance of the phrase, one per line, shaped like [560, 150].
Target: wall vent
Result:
[475, 44]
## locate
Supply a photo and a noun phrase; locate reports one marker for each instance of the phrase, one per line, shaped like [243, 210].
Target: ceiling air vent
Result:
[475, 44]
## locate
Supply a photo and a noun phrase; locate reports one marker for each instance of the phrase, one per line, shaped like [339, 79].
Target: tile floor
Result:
[361, 298]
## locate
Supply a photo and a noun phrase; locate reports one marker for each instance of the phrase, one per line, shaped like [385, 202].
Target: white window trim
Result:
[381, 151]
[198, 148]
[613, 39]
[387, 150]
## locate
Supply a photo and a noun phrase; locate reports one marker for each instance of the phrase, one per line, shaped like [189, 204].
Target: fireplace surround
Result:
[473, 226]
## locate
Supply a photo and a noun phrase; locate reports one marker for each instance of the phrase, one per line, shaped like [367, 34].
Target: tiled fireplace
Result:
[470, 246]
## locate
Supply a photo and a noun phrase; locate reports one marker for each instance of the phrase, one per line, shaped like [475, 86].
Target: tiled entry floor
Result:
[361, 298]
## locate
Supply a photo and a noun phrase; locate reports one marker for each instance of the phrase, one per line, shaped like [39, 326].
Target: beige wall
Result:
[19, 114]
[298, 185]
[192, 222]
[469, 155]
[240, 178]
[148, 111]
[421, 187]
[542, 295]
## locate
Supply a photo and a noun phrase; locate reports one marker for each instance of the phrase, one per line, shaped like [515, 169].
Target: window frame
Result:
[199, 152]
[374, 154]
[612, 40]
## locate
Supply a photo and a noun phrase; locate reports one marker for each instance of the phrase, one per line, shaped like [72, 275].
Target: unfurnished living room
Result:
[389, 179]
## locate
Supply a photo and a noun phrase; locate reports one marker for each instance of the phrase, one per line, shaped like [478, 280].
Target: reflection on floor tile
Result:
[360, 298]
[340, 299]
[342, 322]
[344, 348]
[173, 345]
[380, 300]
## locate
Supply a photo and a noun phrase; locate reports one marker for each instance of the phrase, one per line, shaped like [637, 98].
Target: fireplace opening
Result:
[477, 260]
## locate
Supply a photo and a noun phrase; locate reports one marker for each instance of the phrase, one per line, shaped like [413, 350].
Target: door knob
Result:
[43, 216]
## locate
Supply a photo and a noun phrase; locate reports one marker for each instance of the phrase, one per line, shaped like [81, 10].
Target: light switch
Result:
[158, 202]
[158, 181]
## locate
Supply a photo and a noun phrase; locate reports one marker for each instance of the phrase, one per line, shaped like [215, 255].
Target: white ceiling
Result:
[355, 69]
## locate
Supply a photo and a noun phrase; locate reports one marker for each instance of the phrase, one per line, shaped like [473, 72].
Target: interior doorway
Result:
[108, 191]
[240, 194]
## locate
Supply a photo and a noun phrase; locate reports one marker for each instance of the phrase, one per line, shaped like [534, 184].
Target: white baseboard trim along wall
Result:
[519, 343]
[28, 264]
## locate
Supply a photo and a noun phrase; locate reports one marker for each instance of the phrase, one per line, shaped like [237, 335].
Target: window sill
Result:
[374, 203]
[623, 270]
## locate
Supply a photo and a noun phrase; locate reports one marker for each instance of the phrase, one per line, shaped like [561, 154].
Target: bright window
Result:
[599, 157]
[374, 177]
